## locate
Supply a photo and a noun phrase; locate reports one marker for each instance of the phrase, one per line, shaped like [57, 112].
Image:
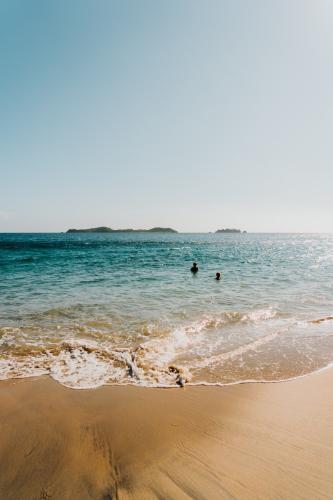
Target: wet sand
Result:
[247, 441]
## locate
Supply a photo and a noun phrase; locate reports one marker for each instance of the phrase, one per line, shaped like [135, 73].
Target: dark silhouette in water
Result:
[194, 268]
[218, 276]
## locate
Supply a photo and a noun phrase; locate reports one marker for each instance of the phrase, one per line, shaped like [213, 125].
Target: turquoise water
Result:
[94, 309]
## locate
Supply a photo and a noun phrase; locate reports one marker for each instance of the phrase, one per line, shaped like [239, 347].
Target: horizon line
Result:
[177, 232]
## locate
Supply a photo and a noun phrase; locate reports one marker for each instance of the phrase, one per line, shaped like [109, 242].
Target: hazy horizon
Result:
[192, 115]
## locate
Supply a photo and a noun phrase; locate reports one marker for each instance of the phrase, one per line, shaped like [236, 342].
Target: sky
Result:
[190, 114]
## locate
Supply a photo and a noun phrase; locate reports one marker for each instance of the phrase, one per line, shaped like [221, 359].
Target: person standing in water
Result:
[218, 276]
[194, 268]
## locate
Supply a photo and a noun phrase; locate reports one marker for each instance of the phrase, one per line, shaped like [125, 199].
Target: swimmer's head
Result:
[218, 276]
[194, 268]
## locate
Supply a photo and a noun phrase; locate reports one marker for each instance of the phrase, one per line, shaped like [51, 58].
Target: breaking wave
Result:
[213, 350]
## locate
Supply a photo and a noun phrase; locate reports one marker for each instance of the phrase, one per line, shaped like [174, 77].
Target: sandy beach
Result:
[245, 441]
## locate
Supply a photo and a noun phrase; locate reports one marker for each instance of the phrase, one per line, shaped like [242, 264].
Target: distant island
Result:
[228, 230]
[104, 229]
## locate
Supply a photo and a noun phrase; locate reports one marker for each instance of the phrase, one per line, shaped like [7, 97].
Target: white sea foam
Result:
[260, 315]
[162, 359]
[78, 368]
[29, 366]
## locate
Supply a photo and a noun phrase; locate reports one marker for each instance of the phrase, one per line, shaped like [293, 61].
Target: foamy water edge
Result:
[79, 365]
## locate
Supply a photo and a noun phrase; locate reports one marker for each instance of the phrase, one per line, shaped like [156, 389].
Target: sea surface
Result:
[122, 308]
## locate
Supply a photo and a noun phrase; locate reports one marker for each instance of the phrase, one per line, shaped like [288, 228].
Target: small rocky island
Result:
[104, 229]
[228, 230]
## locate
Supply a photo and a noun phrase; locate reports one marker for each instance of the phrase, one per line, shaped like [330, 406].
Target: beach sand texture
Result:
[246, 441]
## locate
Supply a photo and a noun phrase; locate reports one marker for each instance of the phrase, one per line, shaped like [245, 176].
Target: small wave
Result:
[260, 315]
[239, 351]
[89, 364]
[163, 359]
[254, 345]
[80, 369]
[86, 366]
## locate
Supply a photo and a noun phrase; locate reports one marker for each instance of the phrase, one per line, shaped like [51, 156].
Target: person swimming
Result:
[194, 268]
[218, 276]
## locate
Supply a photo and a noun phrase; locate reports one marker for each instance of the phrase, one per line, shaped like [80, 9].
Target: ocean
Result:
[124, 308]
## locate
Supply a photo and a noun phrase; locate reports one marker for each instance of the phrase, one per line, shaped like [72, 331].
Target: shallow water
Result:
[94, 309]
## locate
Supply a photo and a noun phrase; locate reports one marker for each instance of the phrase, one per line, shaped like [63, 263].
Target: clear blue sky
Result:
[183, 113]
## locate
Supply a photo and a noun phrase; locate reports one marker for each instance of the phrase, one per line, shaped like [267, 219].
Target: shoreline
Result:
[249, 440]
[329, 366]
